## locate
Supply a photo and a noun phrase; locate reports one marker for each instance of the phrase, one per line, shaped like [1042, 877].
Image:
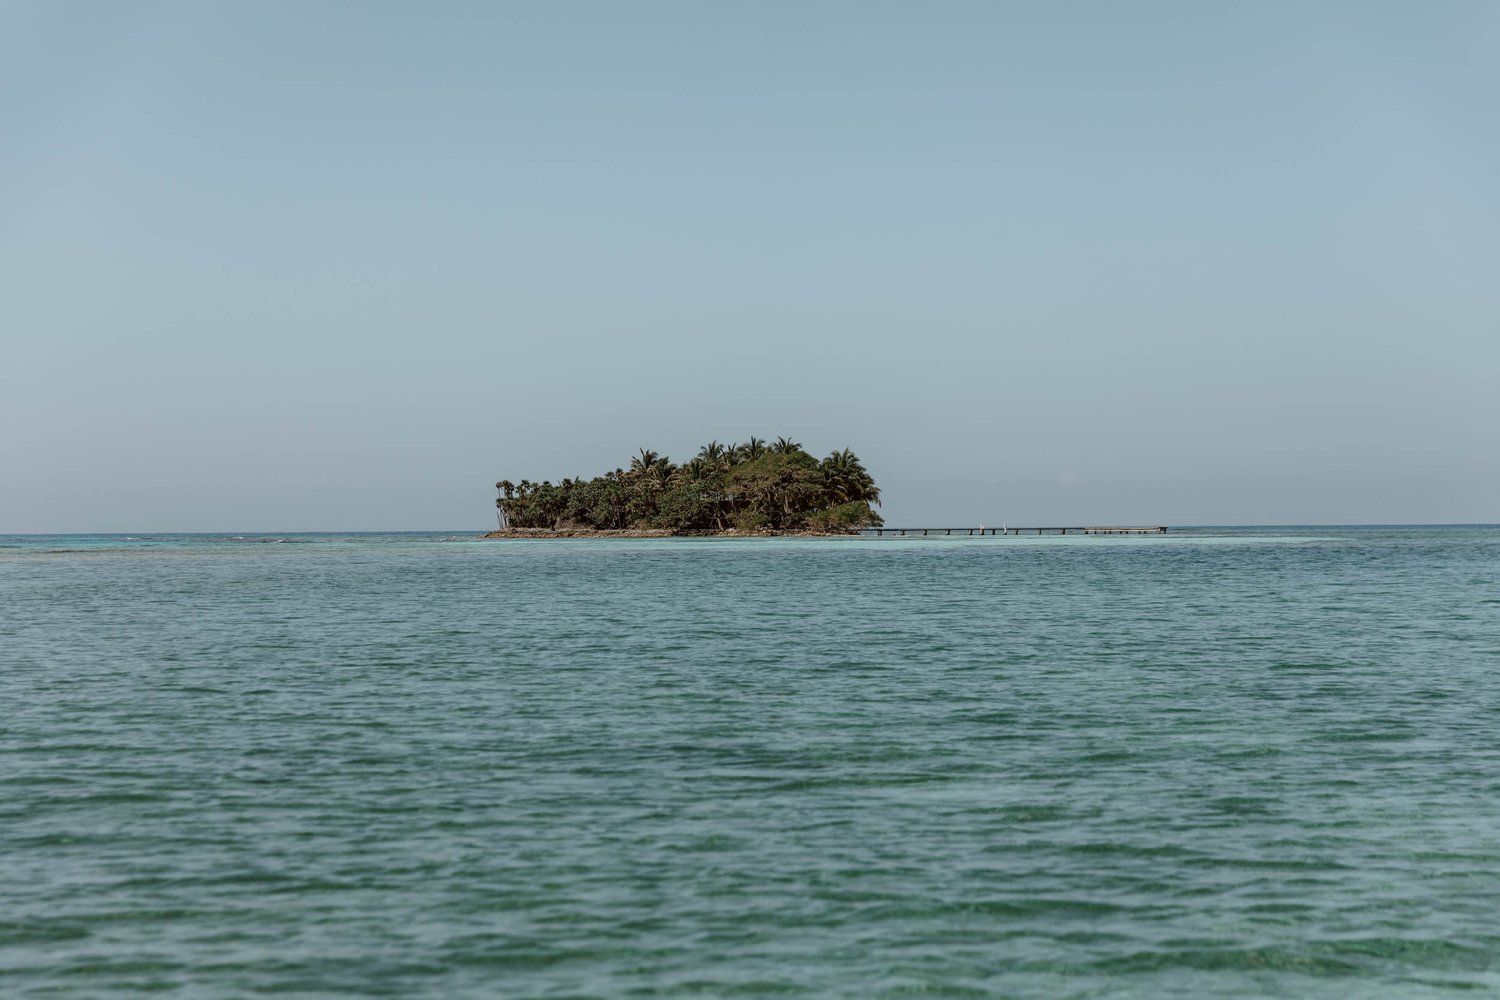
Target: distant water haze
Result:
[293, 267]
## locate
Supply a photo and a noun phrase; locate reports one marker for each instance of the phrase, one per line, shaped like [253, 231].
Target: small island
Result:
[755, 488]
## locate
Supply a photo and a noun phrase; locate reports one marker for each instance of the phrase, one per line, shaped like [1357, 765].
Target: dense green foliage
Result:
[750, 487]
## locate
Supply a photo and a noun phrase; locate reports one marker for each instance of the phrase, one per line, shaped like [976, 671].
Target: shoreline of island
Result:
[547, 533]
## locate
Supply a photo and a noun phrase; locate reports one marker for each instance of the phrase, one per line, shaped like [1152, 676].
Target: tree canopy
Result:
[755, 486]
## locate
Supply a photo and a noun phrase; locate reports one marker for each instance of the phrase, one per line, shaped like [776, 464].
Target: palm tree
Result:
[644, 461]
[660, 471]
[785, 446]
[752, 449]
[694, 470]
[846, 479]
[835, 477]
[712, 453]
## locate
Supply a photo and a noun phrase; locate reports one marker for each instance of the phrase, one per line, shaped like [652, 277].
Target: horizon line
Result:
[436, 531]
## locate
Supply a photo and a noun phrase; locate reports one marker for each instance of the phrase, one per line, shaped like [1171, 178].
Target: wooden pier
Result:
[1160, 529]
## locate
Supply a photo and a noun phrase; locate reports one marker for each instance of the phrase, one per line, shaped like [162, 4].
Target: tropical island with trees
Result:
[755, 488]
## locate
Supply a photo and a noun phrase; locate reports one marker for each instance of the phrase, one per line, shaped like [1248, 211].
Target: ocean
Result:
[1219, 763]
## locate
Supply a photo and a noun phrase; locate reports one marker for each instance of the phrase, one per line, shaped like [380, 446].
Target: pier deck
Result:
[1160, 529]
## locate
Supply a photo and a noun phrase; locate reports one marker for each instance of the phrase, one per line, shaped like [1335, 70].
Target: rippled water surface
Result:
[1215, 764]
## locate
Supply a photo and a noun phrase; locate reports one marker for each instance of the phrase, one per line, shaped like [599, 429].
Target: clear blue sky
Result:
[322, 266]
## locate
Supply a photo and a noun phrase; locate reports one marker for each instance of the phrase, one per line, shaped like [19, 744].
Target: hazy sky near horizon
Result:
[307, 266]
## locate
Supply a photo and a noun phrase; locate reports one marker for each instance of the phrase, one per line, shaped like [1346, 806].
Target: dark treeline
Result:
[754, 486]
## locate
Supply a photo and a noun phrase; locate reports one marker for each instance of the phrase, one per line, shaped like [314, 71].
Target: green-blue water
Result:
[1215, 764]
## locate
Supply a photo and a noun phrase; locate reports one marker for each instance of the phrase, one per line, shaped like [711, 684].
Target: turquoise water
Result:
[1215, 764]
